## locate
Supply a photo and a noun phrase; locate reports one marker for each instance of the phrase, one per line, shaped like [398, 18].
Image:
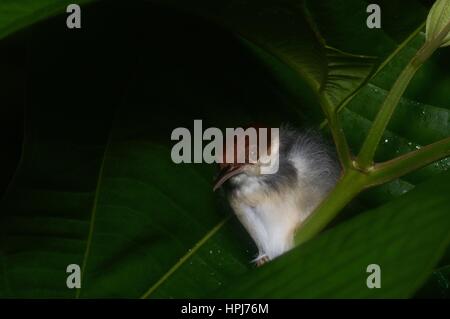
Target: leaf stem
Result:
[354, 181]
[365, 157]
[367, 152]
[409, 162]
[337, 131]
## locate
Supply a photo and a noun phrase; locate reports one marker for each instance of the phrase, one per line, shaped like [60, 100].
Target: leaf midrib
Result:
[184, 258]
[93, 213]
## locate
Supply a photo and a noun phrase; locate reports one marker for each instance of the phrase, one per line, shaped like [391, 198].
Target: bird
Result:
[271, 207]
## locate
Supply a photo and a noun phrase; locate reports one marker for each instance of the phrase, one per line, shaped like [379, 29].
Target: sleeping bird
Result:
[272, 206]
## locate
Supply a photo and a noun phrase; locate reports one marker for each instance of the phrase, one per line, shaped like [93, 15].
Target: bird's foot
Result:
[261, 260]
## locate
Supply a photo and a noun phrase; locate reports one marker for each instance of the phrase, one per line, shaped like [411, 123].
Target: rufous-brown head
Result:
[245, 156]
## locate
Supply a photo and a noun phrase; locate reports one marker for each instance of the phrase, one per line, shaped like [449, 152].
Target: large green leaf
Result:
[287, 31]
[404, 237]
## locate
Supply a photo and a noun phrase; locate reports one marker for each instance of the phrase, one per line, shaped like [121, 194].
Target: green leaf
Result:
[404, 237]
[16, 15]
[286, 31]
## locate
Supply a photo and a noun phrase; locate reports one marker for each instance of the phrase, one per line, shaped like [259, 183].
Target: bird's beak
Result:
[226, 174]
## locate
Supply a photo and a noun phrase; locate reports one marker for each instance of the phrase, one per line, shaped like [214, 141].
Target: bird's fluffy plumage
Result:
[272, 206]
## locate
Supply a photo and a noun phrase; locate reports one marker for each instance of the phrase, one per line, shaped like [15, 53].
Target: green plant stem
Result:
[341, 143]
[409, 162]
[337, 131]
[346, 189]
[354, 181]
[366, 155]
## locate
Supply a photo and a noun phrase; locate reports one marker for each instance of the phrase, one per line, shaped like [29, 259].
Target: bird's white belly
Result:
[270, 219]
